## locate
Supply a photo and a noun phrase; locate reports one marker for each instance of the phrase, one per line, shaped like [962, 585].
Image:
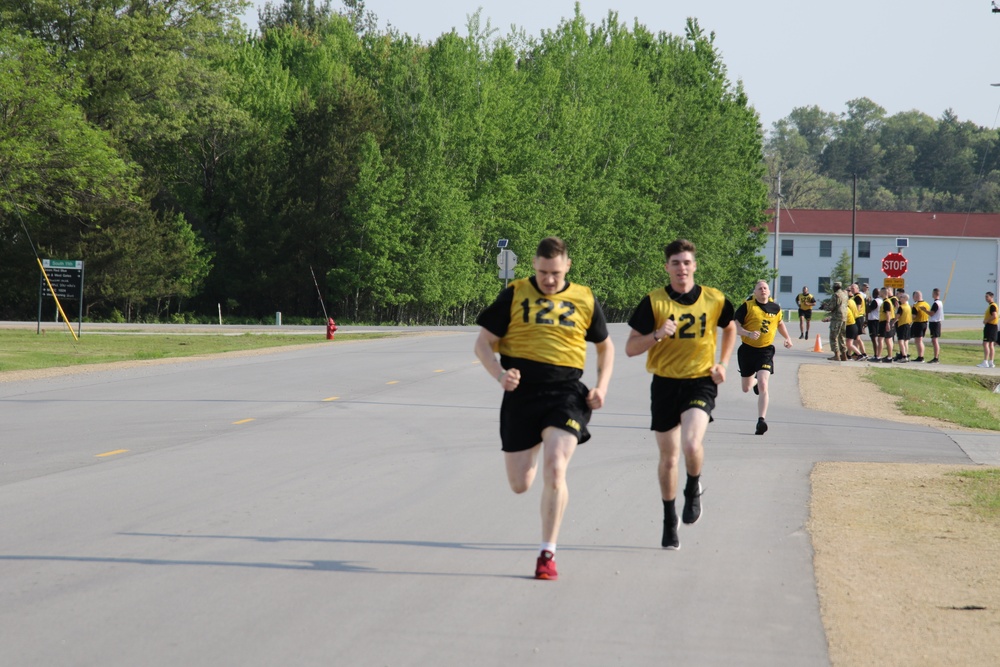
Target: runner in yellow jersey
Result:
[675, 326]
[805, 302]
[990, 322]
[541, 326]
[757, 320]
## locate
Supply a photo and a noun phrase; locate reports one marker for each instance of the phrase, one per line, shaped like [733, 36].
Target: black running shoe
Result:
[670, 539]
[756, 390]
[935, 360]
[919, 360]
[761, 427]
[692, 506]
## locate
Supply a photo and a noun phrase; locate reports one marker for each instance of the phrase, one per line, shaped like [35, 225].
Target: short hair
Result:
[990, 294]
[935, 291]
[677, 247]
[550, 247]
[837, 285]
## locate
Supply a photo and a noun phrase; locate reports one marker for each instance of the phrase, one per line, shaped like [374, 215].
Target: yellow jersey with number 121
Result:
[690, 352]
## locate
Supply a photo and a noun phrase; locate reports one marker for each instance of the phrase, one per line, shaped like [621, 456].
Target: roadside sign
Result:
[894, 265]
[506, 259]
[895, 283]
[66, 276]
[506, 275]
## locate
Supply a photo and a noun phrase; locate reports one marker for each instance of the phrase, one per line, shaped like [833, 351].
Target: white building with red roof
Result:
[959, 253]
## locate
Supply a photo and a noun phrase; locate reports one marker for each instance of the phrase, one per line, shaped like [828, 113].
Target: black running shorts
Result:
[808, 314]
[752, 359]
[935, 329]
[918, 329]
[529, 409]
[851, 332]
[670, 397]
[903, 331]
[884, 330]
[989, 333]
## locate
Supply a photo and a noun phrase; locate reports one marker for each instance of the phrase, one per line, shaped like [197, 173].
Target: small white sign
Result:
[506, 259]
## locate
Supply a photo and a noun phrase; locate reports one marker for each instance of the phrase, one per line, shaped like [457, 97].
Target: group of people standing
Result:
[540, 327]
[892, 319]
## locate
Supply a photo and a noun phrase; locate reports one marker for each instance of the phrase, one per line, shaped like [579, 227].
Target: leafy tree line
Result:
[904, 162]
[191, 164]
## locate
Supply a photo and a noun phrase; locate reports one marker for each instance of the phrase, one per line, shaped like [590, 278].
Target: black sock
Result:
[692, 484]
[669, 512]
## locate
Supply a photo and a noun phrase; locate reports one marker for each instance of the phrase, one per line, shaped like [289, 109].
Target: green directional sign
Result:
[66, 276]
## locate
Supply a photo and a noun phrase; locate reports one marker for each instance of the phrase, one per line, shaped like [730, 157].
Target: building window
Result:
[824, 285]
[787, 247]
[826, 248]
[785, 284]
[864, 248]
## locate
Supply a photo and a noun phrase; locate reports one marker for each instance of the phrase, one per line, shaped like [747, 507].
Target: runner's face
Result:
[681, 268]
[761, 292]
[550, 273]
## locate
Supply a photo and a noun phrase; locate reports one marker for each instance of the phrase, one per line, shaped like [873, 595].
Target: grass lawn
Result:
[26, 350]
[964, 399]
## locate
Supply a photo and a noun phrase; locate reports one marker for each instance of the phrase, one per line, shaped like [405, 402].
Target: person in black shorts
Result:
[675, 326]
[758, 319]
[991, 319]
[935, 319]
[805, 303]
[541, 326]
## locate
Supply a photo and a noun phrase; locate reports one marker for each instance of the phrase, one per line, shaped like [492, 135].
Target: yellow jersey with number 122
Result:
[550, 329]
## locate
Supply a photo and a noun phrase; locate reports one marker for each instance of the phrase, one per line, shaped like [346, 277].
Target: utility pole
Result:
[777, 231]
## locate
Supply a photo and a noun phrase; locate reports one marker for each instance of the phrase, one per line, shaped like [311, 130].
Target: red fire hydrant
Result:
[331, 328]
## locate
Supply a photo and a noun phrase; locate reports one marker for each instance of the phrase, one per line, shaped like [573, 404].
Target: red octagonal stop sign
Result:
[894, 265]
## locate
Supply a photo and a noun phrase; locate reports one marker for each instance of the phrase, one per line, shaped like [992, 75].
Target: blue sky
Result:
[928, 55]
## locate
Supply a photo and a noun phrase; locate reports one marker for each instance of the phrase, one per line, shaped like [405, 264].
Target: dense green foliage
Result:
[216, 167]
[904, 162]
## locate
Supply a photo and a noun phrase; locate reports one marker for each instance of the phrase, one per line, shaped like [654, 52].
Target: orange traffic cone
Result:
[818, 347]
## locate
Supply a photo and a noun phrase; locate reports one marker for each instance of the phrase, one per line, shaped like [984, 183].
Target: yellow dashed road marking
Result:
[117, 451]
[243, 421]
[332, 398]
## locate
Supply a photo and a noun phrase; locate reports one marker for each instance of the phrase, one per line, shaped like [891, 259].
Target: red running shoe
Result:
[546, 567]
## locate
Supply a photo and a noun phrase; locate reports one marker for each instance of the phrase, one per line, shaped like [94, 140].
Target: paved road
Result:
[347, 505]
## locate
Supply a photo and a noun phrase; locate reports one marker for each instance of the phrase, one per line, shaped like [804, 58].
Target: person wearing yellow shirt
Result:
[990, 320]
[757, 320]
[675, 327]
[921, 315]
[541, 326]
[805, 302]
[855, 323]
[903, 325]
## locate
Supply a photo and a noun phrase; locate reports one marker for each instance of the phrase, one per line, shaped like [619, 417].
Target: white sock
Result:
[549, 546]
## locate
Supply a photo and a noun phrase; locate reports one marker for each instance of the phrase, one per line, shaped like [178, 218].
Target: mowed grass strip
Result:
[26, 350]
[982, 488]
[964, 399]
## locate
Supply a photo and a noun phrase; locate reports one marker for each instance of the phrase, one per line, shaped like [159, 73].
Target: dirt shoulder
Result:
[906, 572]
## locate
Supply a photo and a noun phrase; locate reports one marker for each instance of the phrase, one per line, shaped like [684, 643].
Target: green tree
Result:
[58, 174]
[841, 272]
